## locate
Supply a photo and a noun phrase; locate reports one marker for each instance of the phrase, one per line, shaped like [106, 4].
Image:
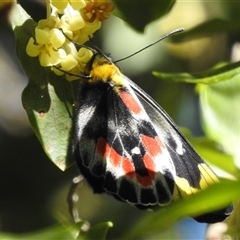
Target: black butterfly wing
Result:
[193, 174]
[127, 146]
[133, 173]
[89, 126]
[116, 148]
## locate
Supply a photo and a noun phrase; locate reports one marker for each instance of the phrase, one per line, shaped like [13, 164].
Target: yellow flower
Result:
[84, 55]
[71, 23]
[66, 65]
[61, 5]
[47, 46]
[76, 64]
[87, 31]
[69, 63]
[67, 19]
[97, 9]
[49, 23]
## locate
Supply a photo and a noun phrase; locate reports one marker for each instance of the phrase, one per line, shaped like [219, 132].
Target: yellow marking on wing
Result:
[208, 177]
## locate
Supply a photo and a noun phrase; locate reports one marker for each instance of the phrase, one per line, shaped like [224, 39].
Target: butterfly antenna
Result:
[98, 50]
[159, 40]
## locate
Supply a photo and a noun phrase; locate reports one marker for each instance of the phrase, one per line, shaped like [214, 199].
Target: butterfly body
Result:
[127, 146]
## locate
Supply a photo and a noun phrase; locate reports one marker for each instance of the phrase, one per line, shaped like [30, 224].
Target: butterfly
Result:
[127, 146]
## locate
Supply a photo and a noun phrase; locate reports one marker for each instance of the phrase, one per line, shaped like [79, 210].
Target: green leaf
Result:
[220, 109]
[47, 99]
[212, 26]
[51, 233]
[17, 15]
[66, 232]
[222, 72]
[140, 13]
[99, 231]
[209, 200]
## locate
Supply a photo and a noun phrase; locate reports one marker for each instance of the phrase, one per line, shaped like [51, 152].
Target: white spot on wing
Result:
[135, 150]
[82, 119]
[179, 149]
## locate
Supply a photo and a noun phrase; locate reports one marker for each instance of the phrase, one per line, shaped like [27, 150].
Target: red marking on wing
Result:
[105, 150]
[153, 148]
[150, 166]
[160, 143]
[116, 160]
[130, 102]
[144, 181]
[152, 145]
[128, 168]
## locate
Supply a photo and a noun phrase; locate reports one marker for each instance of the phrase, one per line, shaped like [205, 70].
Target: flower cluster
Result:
[67, 19]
